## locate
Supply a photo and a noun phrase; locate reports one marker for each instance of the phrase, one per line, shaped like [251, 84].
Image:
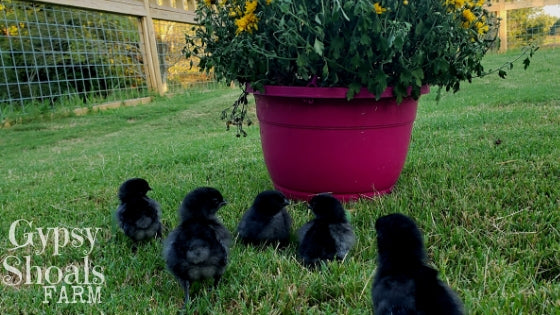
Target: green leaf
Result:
[365, 40]
[405, 77]
[318, 46]
[390, 40]
[440, 66]
[302, 60]
[456, 86]
[502, 74]
[326, 70]
[400, 91]
[419, 28]
[378, 83]
[355, 60]
[526, 63]
[353, 89]
[418, 75]
[318, 19]
[336, 46]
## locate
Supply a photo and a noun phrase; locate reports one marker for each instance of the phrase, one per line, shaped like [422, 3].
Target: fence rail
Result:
[91, 51]
[176, 11]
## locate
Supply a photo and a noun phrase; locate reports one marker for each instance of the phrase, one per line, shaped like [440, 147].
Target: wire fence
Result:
[54, 57]
[530, 25]
[51, 55]
[177, 74]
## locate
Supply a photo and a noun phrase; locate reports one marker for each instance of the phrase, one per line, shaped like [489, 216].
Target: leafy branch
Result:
[236, 114]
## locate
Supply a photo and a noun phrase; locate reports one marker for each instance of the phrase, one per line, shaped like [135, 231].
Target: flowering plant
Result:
[349, 43]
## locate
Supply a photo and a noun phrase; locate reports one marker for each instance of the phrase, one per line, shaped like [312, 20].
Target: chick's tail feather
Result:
[198, 252]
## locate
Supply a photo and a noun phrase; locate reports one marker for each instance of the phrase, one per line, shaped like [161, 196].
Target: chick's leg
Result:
[186, 286]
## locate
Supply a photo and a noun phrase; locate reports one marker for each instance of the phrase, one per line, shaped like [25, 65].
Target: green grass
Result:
[482, 180]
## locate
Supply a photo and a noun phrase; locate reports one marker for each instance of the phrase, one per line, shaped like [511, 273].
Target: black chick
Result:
[138, 215]
[328, 236]
[198, 248]
[403, 283]
[267, 221]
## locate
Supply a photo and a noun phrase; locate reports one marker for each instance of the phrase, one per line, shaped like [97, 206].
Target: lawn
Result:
[482, 180]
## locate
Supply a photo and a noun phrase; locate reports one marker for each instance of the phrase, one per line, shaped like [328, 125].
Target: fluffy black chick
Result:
[403, 283]
[328, 236]
[198, 248]
[137, 214]
[267, 221]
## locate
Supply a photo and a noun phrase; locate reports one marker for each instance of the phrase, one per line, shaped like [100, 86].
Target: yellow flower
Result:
[247, 23]
[468, 15]
[378, 8]
[251, 6]
[268, 2]
[13, 30]
[457, 4]
[235, 12]
[241, 24]
[481, 28]
[405, 2]
[2, 7]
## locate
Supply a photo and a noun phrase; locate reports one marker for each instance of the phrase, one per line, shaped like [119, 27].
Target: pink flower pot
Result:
[314, 140]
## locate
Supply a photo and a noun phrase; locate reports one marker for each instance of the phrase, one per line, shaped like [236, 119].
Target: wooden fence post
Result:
[148, 36]
[502, 31]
